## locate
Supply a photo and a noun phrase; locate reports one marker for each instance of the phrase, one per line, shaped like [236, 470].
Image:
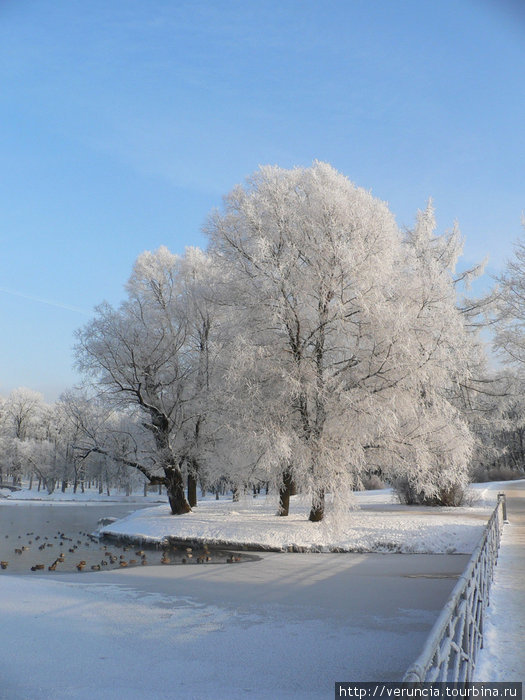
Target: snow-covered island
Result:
[378, 523]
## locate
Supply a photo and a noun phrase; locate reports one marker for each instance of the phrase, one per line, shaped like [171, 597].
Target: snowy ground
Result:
[285, 626]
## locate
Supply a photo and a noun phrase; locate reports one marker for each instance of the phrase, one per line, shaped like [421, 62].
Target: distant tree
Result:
[23, 408]
[510, 323]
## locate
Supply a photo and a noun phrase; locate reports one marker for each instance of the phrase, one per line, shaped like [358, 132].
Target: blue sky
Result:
[125, 122]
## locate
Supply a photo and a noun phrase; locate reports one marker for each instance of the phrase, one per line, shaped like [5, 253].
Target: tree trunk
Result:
[317, 510]
[192, 489]
[175, 488]
[284, 493]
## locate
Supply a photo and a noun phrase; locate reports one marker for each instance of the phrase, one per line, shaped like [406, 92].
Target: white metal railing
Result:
[451, 649]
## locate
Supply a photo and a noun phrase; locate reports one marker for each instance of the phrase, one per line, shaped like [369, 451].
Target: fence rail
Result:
[451, 649]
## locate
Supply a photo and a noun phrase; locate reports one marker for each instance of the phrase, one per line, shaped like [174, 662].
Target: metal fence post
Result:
[502, 497]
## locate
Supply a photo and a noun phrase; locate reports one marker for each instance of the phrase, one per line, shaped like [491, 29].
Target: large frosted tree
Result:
[313, 272]
[348, 346]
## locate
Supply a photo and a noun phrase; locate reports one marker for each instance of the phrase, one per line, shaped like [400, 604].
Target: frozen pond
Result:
[58, 538]
[286, 625]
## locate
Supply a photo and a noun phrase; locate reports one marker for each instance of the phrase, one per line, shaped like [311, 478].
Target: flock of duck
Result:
[68, 547]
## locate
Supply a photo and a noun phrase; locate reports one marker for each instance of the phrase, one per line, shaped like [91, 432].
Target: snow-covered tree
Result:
[22, 411]
[510, 333]
[150, 358]
[436, 442]
[348, 345]
[313, 270]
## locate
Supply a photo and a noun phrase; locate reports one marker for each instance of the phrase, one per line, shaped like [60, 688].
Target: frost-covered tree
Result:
[197, 280]
[435, 441]
[23, 406]
[509, 343]
[499, 428]
[347, 341]
[510, 333]
[22, 412]
[150, 358]
[313, 271]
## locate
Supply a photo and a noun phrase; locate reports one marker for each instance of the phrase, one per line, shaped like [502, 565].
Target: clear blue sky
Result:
[124, 122]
